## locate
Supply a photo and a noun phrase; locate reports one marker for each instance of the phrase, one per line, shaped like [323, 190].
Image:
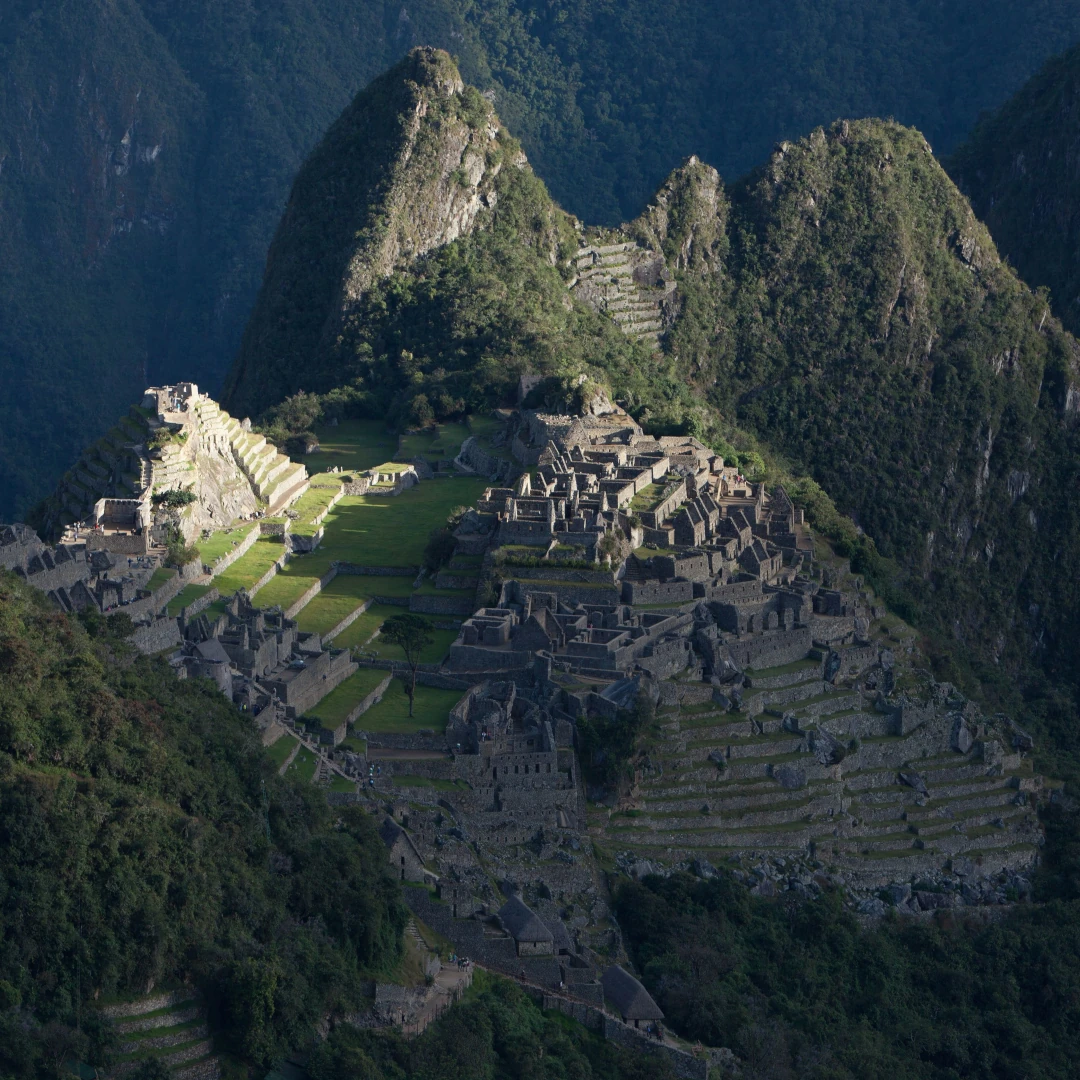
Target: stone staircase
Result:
[626, 282]
[751, 782]
[273, 476]
[169, 1027]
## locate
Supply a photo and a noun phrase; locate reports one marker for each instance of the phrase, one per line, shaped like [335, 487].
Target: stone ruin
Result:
[176, 440]
[795, 741]
[262, 662]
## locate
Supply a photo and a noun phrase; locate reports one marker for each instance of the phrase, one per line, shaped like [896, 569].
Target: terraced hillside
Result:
[814, 770]
[167, 1028]
[626, 282]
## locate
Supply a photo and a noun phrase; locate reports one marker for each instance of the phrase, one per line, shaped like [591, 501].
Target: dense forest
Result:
[147, 146]
[148, 841]
[1019, 168]
[804, 990]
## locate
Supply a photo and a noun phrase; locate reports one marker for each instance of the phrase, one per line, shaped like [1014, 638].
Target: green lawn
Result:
[336, 706]
[392, 713]
[280, 750]
[187, 595]
[303, 766]
[222, 542]
[434, 443]
[379, 530]
[336, 601]
[324, 486]
[341, 783]
[354, 445]
[366, 625]
[292, 580]
[432, 654]
[159, 577]
[250, 567]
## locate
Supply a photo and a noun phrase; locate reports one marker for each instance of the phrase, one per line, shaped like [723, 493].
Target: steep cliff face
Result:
[407, 168]
[416, 166]
[1021, 170]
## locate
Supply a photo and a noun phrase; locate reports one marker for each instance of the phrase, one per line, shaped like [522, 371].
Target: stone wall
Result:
[279, 562]
[309, 594]
[441, 605]
[160, 634]
[648, 592]
[243, 548]
[377, 571]
[347, 621]
[200, 605]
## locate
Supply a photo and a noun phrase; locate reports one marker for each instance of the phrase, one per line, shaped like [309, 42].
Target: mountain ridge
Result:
[842, 305]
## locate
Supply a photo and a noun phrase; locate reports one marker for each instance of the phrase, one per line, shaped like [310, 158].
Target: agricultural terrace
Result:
[250, 566]
[431, 711]
[222, 542]
[334, 709]
[360, 632]
[383, 530]
[187, 595]
[354, 446]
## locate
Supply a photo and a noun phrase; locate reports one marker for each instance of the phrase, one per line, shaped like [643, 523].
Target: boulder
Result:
[962, 739]
[790, 776]
[914, 780]
[832, 665]
[825, 748]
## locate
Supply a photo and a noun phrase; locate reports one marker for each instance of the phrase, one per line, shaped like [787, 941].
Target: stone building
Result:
[531, 936]
[629, 998]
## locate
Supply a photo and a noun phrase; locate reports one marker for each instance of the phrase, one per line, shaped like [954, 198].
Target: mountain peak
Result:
[408, 167]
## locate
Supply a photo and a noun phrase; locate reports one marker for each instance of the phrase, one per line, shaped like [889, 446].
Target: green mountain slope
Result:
[842, 305]
[147, 146]
[1019, 167]
[147, 840]
[865, 327]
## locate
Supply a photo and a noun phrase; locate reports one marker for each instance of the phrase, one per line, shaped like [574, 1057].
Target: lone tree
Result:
[411, 634]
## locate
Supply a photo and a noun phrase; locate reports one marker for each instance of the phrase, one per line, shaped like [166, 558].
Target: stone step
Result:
[185, 1034]
[179, 1014]
[204, 1068]
[181, 1055]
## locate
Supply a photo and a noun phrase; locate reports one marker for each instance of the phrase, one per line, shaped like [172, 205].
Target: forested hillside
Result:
[147, 146]
[1020, 169]
[841, 309]
[147, 841]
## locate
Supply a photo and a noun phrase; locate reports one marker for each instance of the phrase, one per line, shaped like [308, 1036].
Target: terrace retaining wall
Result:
[230, 557]
[309, 594]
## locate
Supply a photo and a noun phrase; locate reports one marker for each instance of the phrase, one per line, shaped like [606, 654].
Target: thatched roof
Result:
[626, 994]
[521, 922]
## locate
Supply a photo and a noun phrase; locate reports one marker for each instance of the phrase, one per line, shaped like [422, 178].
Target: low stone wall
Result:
[556, 572]
[359, 486]
[442, 605]
[243, 548]
[270, 574]
[377, 571]
[196, 607]
[347, 621]
[478, 460]
[456, 579]
[160, 634]
[309, 594]
[273, 528]
[304, 543]
[320, 517]
[375, 696]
